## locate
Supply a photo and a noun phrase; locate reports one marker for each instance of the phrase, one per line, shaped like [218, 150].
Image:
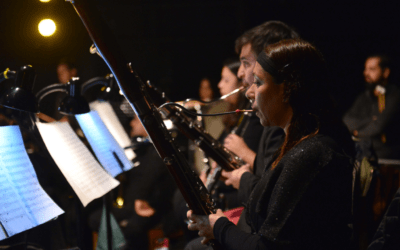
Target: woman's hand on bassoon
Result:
[204, 224]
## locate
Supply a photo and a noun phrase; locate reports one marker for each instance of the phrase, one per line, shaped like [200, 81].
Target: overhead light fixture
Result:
[47, 27]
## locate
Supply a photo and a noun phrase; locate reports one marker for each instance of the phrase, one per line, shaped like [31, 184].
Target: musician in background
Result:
[375, 114]
[245, 126]
[147, 193]
[66, 69]
[248, 46]
[206, 92]
[374, 120]
[304, 200]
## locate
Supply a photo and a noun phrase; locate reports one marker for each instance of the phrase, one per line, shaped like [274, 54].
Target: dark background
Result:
[175, 43]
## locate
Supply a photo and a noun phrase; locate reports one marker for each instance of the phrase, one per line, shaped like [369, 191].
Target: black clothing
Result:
[150, 181]
[303, 203]
[250, 129]
[271, 139]
[364, 116]
[387, 235]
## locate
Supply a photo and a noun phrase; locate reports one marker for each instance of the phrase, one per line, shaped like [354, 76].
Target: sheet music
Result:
[13, 216]
[110, 119]
[103, 143]
[2, 232]
[85, 175]
[24, 203]
[11, 144]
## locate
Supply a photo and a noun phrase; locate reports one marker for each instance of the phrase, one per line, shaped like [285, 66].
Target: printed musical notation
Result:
[110, 119]
[103, 143]
[23, 202]
[85, 175]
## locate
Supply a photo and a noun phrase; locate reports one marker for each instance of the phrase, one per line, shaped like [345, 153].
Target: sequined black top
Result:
[303, 203]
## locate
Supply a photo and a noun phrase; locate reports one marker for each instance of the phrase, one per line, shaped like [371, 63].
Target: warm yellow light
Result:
[44, 1]
[47, 27]
[120, 202]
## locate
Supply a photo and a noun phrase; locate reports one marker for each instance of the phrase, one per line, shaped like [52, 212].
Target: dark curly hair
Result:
[265, 34]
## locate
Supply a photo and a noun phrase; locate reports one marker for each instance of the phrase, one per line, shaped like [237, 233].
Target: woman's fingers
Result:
[202, 224]
[226, 174]
[189, 215]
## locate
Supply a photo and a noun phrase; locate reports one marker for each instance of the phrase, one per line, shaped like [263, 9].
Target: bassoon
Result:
[190, 185]
[195, 132]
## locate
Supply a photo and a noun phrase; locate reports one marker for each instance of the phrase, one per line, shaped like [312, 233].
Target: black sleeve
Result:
[253, 132]
[386, 237]
[231, 237]
[390, 112]
[145, 177]
[355, 119]
[272, 139]
[247, 183]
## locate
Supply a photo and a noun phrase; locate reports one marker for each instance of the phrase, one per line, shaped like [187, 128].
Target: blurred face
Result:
[268, 100]
[205, 90]
[137, 128]
[64, 73]
[228, 83]
[373, 73]
[247, 63]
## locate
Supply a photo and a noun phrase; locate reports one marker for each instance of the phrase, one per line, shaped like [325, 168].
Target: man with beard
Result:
[374, 119]
[248, 46]
[375, 115]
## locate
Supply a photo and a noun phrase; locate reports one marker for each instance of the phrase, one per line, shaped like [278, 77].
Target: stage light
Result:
[44, 1]
[47, 27]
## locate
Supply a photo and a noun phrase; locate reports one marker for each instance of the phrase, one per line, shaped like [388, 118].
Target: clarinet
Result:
[190, 185]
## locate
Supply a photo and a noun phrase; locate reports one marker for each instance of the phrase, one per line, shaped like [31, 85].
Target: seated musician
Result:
[246, 127]
[249, 45]
[147, 193]
[304, 200]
